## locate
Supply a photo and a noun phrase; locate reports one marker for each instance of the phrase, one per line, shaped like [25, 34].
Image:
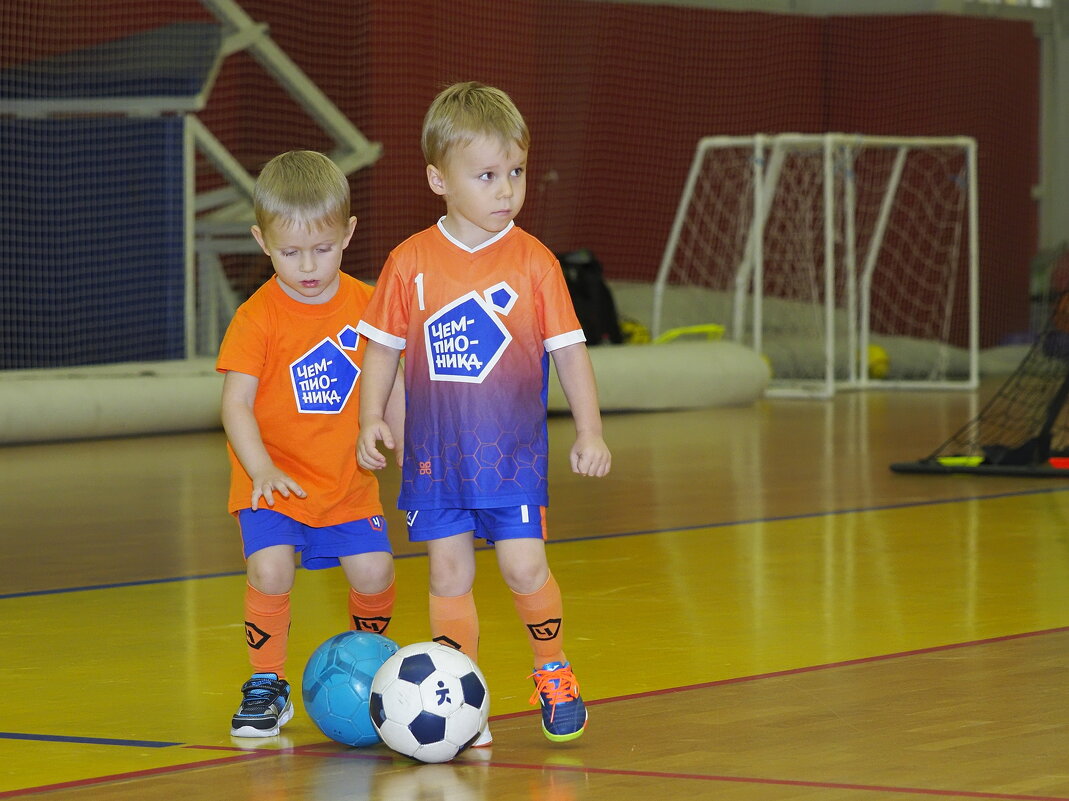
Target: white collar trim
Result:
[485, 244]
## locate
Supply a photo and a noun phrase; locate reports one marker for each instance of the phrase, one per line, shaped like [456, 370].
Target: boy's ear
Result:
[258, 235]
[348, 236]
[435, 179]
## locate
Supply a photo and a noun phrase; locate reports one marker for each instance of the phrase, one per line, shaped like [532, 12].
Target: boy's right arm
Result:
[395, 412]
[243, 432]
[376, 383]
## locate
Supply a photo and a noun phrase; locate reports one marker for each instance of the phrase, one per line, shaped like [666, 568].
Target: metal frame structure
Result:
[216, 221]
[768, 153]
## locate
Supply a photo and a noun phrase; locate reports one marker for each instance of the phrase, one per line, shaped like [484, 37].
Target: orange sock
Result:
[371, 611]
[542, 612]
[267, 628]
[455, 622]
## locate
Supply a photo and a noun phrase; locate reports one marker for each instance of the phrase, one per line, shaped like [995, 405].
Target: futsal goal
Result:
[1023, 429]
[846, 260]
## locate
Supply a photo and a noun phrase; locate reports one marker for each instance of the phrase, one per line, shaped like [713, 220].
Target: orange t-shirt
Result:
[307, 358]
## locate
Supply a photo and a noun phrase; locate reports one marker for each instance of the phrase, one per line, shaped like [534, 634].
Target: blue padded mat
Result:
[172, 61]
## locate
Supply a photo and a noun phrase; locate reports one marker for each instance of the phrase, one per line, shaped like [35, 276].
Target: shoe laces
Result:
[558, 686]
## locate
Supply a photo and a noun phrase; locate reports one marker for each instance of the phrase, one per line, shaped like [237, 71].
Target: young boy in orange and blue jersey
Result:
[479, 306]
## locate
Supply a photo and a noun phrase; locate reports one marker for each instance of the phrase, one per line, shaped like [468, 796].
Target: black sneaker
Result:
[265, 707]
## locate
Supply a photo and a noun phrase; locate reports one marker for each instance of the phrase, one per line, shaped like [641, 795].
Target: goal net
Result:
[1024, 428]
[844, 259]
[140, 131]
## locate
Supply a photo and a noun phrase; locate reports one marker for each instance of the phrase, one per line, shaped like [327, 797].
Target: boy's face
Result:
[484, 185]
[307, 262]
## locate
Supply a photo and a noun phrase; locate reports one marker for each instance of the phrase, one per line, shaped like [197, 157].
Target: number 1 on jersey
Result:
[419, 292]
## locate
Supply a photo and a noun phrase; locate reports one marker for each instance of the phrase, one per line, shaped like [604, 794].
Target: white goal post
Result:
[848, 261]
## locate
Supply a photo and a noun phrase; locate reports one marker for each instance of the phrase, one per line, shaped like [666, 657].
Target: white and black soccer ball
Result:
[429, 702]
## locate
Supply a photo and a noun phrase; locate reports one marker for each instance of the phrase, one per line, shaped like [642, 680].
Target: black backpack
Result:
[591, 297]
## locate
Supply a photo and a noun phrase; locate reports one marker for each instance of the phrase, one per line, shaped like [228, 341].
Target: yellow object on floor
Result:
[710, 331]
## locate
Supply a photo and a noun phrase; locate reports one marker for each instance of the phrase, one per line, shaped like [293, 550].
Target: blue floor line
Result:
[723, 524]
[58, 738]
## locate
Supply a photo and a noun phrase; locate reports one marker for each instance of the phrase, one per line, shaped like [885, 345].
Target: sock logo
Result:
[546, 630]
[376, 625]
[255, 636]
[447, 641]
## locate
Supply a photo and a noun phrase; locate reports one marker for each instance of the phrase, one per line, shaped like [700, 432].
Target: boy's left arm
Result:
[589, 455]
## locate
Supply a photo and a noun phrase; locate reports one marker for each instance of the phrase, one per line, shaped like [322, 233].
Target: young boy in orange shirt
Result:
[292, 362]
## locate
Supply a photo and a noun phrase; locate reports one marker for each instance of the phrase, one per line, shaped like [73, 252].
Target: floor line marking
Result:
[592, 702]
[586, 538]
[134, 774]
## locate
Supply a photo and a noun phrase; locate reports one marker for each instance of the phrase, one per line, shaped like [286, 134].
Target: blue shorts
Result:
[319, 547]
[499, 523]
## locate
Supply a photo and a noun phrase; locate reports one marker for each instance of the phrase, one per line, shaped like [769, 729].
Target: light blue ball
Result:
[337, 685]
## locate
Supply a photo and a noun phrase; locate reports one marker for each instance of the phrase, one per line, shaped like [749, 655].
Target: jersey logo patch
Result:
[465, 339]
[324, 377]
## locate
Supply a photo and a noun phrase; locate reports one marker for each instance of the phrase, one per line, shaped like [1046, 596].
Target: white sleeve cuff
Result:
[563, 340]
[375, 335]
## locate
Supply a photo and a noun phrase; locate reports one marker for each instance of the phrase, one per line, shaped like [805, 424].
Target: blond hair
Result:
[464, 111]
[301, 188]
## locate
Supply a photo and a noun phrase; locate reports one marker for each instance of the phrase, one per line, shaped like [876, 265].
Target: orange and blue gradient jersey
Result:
[477, 326]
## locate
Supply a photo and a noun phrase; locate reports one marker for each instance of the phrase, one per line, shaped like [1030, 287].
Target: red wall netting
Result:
[616, 96]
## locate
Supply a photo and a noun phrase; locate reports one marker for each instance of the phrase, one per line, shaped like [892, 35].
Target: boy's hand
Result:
[271, 481]
[590, 456]
[372, 433]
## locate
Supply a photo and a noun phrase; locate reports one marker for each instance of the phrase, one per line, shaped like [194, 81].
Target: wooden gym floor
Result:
[757, 608]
